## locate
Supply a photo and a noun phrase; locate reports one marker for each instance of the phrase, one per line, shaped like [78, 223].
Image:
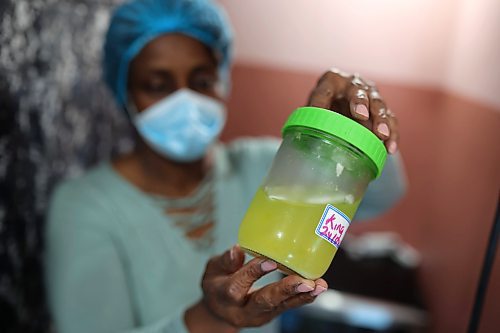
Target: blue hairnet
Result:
[137, 22]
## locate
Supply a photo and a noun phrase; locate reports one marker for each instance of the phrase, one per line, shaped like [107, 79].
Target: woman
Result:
[130, 242]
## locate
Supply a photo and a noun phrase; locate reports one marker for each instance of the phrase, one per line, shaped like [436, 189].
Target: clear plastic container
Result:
[302, 210]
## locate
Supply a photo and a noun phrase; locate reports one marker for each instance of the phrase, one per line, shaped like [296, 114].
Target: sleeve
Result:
[384, 192]
[86, 281]
[257, 153]
[253, 158]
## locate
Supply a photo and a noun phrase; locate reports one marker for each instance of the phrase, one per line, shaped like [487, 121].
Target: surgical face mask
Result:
[182, 126]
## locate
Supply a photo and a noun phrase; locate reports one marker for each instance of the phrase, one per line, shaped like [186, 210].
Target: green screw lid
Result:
[341, 127]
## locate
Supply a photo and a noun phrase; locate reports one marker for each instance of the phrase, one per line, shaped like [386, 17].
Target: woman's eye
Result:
[158, 87]
[155, 87]
[203, 83]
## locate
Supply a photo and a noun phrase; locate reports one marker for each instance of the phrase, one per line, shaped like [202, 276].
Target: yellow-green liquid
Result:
[284, 231]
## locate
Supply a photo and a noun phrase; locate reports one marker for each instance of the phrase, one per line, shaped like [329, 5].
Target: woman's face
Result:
[168, 63]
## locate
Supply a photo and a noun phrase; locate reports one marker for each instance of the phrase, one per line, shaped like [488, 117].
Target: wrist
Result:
[199, 319]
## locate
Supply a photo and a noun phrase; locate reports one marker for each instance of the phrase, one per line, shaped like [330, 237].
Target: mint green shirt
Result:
[114, 263]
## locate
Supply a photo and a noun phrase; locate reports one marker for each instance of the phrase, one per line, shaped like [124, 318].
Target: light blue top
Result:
[115, 264]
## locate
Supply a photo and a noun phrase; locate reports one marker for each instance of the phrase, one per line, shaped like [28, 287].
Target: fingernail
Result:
[318, 290]
[362, 110]
[304, 288]
[268, 266]
[383, 129]
[393, 147]
[231, 254]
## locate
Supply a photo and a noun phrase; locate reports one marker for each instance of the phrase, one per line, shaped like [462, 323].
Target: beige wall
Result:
[451, 44]
[474, 59]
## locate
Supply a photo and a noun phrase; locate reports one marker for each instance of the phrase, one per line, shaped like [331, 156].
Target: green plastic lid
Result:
[341, 127]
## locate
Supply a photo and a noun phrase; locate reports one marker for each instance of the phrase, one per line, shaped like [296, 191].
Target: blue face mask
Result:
[182, 126]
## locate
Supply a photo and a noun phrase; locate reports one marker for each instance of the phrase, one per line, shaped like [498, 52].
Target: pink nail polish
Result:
[231, 254]
[318, 290]
[268, 266]
[362, 110]
[304, 288]
[393, 147]
[383, 129]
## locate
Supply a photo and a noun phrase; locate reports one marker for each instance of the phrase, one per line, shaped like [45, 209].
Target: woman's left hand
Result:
[230, 296]
[358, 99]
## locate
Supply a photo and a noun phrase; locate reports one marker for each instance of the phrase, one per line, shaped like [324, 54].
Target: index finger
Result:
[242, 280]
[226, 263]
[273, 295]
[330, 86]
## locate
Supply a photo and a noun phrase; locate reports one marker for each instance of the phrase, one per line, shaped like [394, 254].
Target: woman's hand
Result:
[228, 294]
[359, 99]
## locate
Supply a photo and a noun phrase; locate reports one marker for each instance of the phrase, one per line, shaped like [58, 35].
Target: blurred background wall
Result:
[436, 62]
[438, 66]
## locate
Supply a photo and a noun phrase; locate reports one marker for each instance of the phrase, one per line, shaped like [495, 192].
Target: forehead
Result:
[174, 51]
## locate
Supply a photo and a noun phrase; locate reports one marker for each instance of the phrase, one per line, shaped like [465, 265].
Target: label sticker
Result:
[333, 225]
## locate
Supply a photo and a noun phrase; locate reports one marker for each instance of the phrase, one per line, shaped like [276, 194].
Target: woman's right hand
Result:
[228, 294]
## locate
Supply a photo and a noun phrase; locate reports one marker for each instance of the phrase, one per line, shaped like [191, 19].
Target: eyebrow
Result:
[159, 71]
[204, 68]
[166, 72]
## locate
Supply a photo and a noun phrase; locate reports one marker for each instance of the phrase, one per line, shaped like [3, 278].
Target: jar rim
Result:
[341, 127]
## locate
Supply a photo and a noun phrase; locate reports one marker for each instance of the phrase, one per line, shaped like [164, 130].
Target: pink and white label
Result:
[333, 225]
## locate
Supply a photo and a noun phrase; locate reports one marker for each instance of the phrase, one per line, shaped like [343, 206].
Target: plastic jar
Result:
[302, 210]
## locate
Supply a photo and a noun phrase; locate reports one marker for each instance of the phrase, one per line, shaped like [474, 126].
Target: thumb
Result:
[226, 263]
[233, 259]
